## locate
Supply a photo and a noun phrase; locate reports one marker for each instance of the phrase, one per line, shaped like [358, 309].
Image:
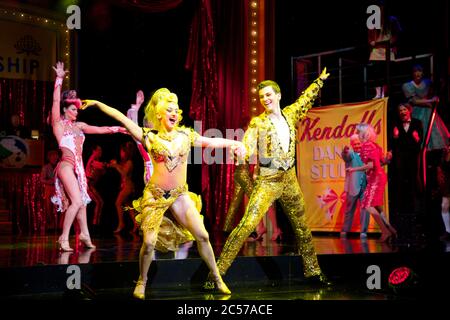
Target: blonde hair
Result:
[366, 132]
[159, 101]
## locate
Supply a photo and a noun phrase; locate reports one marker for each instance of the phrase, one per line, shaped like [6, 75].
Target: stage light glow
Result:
[403, 279]
[256, 52]
[399, 276]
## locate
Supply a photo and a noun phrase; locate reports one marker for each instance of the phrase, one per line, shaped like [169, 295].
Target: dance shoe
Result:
[86, 241]
[260, 234]
[215, 283]
[139, 290]
[319, 279]
[64, 245]
[277, 235]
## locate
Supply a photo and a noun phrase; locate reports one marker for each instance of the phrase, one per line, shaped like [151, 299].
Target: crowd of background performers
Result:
[269, 143]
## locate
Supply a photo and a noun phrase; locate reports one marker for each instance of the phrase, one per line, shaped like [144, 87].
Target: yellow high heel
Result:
[216, 283]
[139, 290]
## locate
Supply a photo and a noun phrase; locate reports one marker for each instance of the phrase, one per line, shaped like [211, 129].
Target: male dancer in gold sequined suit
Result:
[243, 186]
[270, 140]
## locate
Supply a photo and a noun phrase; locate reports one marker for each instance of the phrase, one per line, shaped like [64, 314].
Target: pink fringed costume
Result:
[72, 142]
[376, 177]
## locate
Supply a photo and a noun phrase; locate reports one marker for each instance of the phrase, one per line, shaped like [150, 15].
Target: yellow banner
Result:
[320, 168]
[27, 51]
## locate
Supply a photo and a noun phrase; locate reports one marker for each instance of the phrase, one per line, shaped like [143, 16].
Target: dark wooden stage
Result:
[32, 268]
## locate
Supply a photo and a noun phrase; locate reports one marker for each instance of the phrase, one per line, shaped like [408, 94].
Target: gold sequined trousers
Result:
[284, 187]
[243, 185]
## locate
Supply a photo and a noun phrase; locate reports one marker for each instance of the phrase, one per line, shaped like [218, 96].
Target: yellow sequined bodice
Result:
[171, 151]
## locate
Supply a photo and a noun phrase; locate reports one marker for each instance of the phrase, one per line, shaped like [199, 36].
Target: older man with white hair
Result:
[355, 183]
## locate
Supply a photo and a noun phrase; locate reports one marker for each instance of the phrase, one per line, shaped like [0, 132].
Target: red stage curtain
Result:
[30, 99]
[23, 191]
[219, 62]
[201, 60]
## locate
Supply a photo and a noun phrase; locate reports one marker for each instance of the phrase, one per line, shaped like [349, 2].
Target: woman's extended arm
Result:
[101, 130]
[132, 127]
[216, 142]
[237, 147]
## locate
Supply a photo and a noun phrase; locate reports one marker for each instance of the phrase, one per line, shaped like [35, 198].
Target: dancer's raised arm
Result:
[60, 74]
[304, 102]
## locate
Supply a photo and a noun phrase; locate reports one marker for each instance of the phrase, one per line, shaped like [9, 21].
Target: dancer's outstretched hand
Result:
[239, 151]
[324, 75]
[87, 103]
[118, 129]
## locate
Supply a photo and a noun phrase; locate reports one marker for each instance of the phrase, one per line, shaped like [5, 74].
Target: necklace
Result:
[168, 136]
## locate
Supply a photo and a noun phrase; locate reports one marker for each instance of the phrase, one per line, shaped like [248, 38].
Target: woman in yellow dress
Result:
[169, 145]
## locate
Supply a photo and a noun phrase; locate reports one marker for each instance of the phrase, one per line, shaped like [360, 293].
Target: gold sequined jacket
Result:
[261, 139]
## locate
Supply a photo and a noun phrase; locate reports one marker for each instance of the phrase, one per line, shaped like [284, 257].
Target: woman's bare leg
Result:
[146, 254]
[145, 260]
[70, 183]
[97, 198]
[85, 236]
[187, 215]
[120, 201]
[385, 221]
[385, 232]
[131, 212]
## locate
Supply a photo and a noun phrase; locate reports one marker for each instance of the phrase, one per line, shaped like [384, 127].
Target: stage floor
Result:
[24, 251]
[344, 260]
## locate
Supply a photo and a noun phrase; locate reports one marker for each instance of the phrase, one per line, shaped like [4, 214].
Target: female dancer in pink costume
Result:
[372, 156]
[71, 185]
